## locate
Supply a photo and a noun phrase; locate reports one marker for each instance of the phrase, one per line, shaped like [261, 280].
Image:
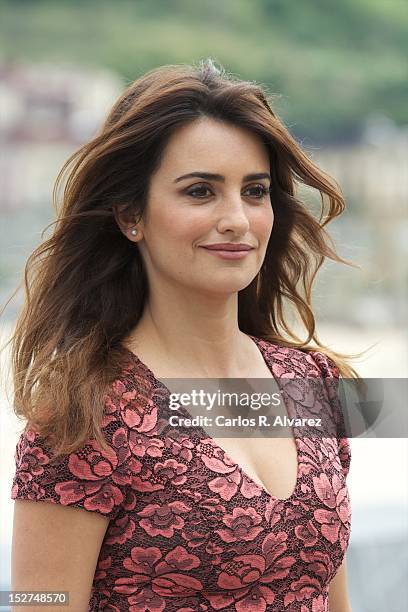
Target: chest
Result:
[197, 520]
[269, 461]
[272, 463]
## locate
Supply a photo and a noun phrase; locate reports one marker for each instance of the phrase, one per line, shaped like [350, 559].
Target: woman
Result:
[138, 283]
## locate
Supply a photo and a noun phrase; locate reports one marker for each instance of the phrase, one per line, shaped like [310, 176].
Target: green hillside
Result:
[333, 63]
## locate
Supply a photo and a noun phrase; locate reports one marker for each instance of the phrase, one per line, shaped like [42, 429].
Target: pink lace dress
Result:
[188, 528]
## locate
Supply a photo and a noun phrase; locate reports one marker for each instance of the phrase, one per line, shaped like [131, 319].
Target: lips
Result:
[228, 247]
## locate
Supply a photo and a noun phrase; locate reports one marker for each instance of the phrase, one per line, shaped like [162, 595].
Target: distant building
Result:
[47, 112]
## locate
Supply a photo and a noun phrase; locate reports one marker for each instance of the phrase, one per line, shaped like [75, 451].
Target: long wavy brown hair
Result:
[86, 285]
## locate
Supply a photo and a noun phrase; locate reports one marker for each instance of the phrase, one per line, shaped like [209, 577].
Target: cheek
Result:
[183, 229]
[263, 223]
[269, 216]
[164, 226]
[171, 240]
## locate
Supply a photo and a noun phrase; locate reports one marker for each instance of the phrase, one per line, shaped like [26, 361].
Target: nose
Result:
[232, 217]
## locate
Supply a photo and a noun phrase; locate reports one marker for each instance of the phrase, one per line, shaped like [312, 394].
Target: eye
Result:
[197, 188]
[262, 191]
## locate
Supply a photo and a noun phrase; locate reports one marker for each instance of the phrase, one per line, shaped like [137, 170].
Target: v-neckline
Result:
[258, 341]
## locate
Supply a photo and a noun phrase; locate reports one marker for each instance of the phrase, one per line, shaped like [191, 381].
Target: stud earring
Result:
[133, 232]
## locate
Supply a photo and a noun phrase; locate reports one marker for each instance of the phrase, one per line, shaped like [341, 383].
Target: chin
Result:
[224, 285]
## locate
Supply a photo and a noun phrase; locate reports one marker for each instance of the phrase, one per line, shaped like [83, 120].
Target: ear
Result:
[127, 221]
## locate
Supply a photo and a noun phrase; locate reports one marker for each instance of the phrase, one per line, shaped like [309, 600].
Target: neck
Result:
[195, 332]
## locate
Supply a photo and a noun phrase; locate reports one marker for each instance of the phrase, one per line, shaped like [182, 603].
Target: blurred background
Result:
[337, 74]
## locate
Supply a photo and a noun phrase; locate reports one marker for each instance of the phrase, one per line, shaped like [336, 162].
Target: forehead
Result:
[211, 145]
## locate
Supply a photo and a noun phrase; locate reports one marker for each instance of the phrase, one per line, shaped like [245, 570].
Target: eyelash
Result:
[264, 191]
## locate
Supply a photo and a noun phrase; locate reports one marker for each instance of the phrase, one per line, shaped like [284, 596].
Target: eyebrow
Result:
[221, 178]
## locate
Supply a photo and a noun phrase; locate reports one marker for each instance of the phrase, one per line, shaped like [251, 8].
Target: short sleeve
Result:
[90, 478]
[344, 455]
[331, 376]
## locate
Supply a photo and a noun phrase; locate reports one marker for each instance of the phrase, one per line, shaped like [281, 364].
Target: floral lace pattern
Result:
[188, 529]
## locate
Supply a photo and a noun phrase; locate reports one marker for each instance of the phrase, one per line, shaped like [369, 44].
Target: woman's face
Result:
[184, 215]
